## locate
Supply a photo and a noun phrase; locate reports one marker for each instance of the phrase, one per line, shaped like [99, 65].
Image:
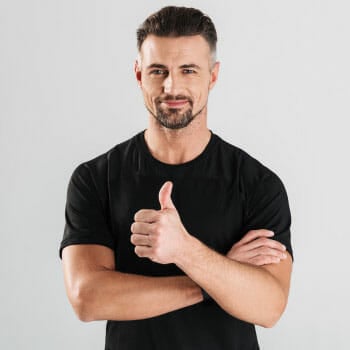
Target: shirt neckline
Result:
[142, 142]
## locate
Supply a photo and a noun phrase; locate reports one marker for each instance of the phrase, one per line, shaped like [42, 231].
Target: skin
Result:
[256, 294]
[251, 282]
[180, 145]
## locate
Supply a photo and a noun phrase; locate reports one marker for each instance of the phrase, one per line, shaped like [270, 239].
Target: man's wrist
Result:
[184, 260]
[189, 246]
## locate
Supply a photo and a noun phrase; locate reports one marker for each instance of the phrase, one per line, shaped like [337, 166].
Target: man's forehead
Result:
[190, 48]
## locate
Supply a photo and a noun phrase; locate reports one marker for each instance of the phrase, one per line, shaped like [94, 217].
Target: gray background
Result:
[67, 94]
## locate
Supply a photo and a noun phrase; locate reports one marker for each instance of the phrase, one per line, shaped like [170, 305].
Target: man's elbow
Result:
[80, 297]
[269, 322]
[273, 315]
[83, 313]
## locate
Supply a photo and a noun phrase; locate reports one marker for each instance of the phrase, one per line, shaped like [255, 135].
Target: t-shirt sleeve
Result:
[267, 207]
[85, 214]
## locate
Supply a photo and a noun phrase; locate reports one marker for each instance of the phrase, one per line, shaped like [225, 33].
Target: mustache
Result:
[173, 98]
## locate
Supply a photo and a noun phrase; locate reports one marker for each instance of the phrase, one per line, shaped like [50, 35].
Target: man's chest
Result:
[210, 209]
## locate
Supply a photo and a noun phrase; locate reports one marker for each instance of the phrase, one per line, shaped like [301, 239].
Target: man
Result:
[177, 238]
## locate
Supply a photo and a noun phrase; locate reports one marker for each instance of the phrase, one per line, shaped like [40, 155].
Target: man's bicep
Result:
[81, 259]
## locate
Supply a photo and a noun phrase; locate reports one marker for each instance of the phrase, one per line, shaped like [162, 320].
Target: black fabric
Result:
[220, 195]
[206, 296]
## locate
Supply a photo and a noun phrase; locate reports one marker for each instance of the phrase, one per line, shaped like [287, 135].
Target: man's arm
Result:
[98, 292]
[254, 294]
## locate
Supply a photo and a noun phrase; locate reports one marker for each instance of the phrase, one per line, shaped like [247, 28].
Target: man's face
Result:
[175, 75]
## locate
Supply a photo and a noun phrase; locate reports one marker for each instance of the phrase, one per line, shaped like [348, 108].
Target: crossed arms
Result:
[251, 282]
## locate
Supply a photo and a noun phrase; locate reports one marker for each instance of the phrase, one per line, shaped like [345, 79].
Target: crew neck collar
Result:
[142, 142]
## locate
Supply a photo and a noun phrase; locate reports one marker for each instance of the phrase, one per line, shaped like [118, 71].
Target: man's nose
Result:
[171, 85]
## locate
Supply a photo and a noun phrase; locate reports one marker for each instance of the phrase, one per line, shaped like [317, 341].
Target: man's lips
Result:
[175, 103]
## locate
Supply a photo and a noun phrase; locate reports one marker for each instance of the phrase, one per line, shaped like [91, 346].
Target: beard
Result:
[173, 118]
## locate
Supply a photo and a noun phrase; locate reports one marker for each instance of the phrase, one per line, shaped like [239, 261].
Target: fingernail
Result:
[272, 233]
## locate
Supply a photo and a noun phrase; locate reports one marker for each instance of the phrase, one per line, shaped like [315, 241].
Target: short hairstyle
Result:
[173, 21]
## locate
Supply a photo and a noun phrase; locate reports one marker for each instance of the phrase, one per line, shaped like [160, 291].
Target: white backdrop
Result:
[67, 94]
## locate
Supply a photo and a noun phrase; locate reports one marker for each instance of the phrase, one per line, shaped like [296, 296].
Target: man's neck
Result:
[176, 146]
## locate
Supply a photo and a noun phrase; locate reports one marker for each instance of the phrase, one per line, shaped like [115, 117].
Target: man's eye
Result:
[189, 71]
[159, 72]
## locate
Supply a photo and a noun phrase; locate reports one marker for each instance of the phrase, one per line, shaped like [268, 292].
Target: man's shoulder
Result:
[244, 159]
[248, 168]
[98, 165]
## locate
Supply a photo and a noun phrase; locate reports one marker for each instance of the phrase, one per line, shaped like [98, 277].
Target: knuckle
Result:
[157, 230]
[136, 216]
[277, 245]
[276, 259]
[268, 260]
[272, 260]
[282, 247]
[154, 241]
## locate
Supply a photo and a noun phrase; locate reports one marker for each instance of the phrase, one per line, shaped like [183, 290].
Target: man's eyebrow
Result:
[162, 66]
[157, 65]
[191, 65]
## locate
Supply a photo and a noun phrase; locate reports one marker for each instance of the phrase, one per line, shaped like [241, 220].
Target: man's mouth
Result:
[175, 103]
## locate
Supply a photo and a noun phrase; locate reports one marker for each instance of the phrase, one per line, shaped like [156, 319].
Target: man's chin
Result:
[174, 123]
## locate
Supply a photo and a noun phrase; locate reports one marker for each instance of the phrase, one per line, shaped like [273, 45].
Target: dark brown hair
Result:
[173, 21]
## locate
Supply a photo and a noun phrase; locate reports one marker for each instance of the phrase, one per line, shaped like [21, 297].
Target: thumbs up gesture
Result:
[165, 196]
[159, 234]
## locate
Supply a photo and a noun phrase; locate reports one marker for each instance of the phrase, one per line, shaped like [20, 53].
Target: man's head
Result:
[176, 66]
[172, 21]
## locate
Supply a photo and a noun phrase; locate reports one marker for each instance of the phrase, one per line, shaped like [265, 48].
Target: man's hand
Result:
[258, 249]
[159, 234]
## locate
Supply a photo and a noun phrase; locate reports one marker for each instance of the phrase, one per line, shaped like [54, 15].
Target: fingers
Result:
[140, 233]
[265, 251]
[143, 228]
[264, 242]
[254, 234]
[140, 240]
[165, 196]
[142, 251]
[257, 248]
[261, 260]
[146, 215]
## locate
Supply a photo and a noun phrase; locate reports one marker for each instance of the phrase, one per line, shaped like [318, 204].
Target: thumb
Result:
[165, 196]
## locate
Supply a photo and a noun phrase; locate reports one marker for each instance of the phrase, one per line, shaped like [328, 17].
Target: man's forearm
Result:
[112, 295]
[247, 292]
[254, 294]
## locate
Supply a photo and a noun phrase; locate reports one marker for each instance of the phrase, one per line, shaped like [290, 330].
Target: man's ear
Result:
[214, 75]
[137, 71]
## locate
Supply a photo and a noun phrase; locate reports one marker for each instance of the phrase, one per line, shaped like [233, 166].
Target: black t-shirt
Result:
[220, 195]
